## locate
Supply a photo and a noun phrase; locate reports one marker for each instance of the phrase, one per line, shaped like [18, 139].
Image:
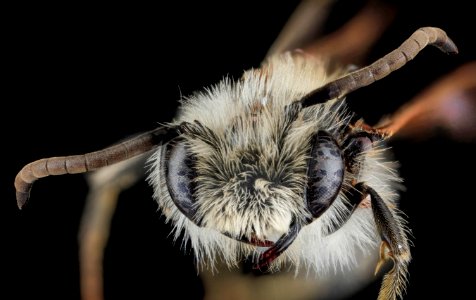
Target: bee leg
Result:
[357, 141]
[354, 200]
[394, 243]
[105, 186]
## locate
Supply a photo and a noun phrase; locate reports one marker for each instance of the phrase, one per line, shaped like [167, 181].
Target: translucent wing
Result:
[448, 105]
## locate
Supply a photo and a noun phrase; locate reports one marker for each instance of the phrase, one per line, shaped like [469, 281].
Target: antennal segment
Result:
[382, 67]
[88, 162]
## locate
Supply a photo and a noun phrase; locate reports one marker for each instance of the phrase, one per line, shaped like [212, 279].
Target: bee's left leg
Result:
[360, 139]
[394, 240]
[389, 225]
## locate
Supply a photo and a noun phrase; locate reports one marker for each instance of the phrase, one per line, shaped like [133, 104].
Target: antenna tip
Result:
[450, 47]
[22, 199]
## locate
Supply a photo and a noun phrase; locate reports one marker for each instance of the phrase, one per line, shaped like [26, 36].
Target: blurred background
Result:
[79, 77]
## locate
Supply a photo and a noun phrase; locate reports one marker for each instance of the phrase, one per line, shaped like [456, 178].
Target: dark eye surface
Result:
[179, 177]
[325, 173]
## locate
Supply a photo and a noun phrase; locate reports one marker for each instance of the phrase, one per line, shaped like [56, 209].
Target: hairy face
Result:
[250, 167]
[245, 150]
[249, 187]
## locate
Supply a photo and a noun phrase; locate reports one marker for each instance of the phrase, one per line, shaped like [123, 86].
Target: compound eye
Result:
[180, 174]
[325, 173]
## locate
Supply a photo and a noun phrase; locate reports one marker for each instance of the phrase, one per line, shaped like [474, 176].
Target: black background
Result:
[80, 77]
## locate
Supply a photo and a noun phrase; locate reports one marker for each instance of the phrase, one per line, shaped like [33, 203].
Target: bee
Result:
[274, 168]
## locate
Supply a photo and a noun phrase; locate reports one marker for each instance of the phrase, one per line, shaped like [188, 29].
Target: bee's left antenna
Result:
[90, 161]
[384, 66]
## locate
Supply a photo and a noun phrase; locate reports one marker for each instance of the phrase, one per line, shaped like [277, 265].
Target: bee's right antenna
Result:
[88, 162]
[382, 67]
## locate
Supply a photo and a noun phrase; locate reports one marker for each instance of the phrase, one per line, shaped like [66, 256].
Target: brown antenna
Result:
[88, 162]
[382, 67]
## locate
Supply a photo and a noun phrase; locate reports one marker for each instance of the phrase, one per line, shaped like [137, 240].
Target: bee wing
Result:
[449, 104]
[347, 45]
[302, 27]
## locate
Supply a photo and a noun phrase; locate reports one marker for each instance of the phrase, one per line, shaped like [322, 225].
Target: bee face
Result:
[248, 176]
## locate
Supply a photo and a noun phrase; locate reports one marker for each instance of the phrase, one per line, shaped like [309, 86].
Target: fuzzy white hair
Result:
[246, 116]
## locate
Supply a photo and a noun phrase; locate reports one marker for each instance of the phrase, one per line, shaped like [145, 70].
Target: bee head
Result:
[249, 189]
